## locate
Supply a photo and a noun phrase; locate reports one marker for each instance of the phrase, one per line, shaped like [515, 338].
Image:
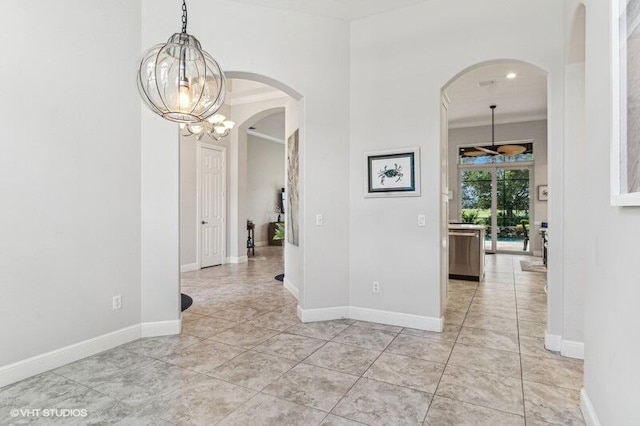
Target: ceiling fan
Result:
[508, 150]
[479, 151]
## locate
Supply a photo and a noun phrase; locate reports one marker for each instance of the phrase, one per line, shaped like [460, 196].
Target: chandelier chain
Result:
[184, 17]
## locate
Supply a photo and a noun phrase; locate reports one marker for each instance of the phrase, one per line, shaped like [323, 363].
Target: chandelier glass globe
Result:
[179, 81]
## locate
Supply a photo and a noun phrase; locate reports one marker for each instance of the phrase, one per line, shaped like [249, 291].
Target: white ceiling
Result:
[523, 98]
[246, 91]
[339, 9]
[241, 91]
[272, 126]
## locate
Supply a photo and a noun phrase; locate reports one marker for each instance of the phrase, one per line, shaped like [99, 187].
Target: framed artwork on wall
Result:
[625, 138]
[292, 207]
[543, 193]
[392, 173]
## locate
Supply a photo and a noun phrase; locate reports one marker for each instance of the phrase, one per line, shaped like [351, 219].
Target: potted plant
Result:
[279, 234]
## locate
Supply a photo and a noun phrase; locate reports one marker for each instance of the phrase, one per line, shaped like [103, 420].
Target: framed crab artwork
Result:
[392, 173]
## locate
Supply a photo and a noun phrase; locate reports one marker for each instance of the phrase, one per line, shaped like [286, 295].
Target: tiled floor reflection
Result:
[245, 359]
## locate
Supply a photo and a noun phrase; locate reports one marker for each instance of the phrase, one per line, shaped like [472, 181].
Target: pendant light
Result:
[179, 81]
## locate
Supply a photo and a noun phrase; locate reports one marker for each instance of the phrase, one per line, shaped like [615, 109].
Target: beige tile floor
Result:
[245, 359]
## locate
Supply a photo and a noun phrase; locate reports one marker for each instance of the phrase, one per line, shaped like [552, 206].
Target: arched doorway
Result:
[494, 172]
[250, 100]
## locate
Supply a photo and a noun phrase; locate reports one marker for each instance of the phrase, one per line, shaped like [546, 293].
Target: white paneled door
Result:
[211, 205]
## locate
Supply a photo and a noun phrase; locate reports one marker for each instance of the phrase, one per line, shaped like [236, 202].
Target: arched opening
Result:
[250, 102]
[494, 164]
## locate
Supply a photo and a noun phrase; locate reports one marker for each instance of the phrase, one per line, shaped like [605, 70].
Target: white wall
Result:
[265, 170]
[274, 43]
[576, 216]
[424, 47]
[611, 287]
[69, 173]
[536, 130]
[188, 201]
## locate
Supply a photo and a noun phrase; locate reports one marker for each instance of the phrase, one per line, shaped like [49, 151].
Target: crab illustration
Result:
[395, 172]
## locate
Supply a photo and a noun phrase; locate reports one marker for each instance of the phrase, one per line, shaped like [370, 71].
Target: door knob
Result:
[204, 223]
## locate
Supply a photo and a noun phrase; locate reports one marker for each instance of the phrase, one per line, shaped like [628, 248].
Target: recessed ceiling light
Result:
[512, 75]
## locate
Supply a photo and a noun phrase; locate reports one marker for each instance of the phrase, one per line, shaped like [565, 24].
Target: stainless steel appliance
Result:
[466, 252]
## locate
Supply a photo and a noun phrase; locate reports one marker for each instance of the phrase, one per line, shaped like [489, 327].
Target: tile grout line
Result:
[365, 371]
[524, 406]
[446, 364]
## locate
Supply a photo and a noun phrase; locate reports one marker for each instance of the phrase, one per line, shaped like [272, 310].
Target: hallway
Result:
[244, 358]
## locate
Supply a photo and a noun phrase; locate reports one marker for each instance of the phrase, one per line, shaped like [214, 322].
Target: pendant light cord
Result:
[184, 17]
[493, 126]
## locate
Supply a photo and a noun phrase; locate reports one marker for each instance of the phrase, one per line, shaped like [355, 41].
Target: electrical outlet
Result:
[422, 220]
[320, 219]
[376, 287]
[116, 303]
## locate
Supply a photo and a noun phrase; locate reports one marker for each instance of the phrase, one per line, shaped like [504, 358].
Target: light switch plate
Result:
[422, 220]
[320, 219]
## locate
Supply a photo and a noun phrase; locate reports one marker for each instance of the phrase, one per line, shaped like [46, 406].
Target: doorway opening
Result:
[232, 189]
[494, 161]
[495, 168]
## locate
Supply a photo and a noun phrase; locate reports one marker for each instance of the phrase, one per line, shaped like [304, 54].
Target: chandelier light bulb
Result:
[195, 128]
[217, 118]
[185, 97]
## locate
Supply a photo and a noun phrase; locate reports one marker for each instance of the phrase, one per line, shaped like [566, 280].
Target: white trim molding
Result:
[567, 348]
[161, 328]
[552, 342]
[572, 349]
[189, 267]
[265, 137]
[396, 318]
[291, 288]
[588, 412]
[323, 314]
[372, 315]
[58, 357]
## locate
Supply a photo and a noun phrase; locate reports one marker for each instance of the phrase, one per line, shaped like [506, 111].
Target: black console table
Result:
[251, 242]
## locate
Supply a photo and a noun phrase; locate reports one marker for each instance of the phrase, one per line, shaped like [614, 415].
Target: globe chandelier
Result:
[217, 127]
[179, 81]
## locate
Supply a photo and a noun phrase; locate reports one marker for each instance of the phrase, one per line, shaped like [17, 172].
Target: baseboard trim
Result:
[588, 412]
[397, 318]
[572, 349]
[161, 328]
[552, 342]
[291, 288]
[58, 357]
[567, 348]
[239, 259]
[371, 315]
[189, 267]
[40, 363]
[323, 314]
